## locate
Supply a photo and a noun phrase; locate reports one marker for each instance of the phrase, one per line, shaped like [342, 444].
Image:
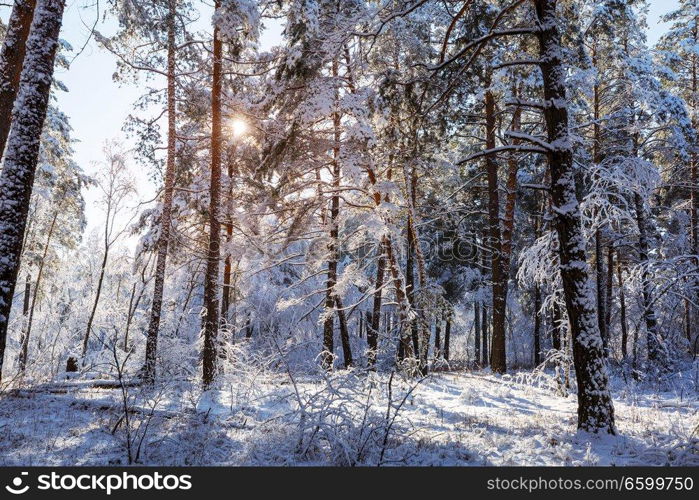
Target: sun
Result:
[239, 127]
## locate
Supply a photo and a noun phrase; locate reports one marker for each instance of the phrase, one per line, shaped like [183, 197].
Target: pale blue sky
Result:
[97, 107]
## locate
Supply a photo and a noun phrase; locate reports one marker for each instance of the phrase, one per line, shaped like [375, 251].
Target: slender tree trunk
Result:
[447, 336]
[437, 336]
[12, 62]
[372, 335]
[211, 320]
[694, 173]
[420, 329]
[477, 332]
[344, 333]
[599, 258]
[654, 347]
[23, 356]
[609, 281]
[403, 304]
[600, 289]
[498, 354]
[166, 217]
[595, 408]
[537, 325]
[556, 326]
[25, 314]
[622, 312]
[17, 177]
[227, 266]
[98, 293]
[331, 298]
[537, 303]
[484, 335]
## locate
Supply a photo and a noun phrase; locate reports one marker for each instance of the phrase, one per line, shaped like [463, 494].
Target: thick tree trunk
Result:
[17, 178]
[211, 321]
[595, 408]
[498, 353]
[166, 216]
[12, 62]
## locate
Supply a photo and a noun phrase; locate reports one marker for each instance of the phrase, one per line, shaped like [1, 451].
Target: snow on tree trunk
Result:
[17, 178]
[595, 408]
[12, 61]
[166, 217]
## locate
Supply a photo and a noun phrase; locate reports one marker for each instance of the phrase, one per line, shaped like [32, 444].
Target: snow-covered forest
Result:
[403, 232]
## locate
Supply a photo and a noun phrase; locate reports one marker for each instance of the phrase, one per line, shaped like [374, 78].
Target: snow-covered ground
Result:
[450, 418]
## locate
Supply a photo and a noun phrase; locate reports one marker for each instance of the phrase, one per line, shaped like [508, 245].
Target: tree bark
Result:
[595, 408]
[211, 320]
[166, 216]
[17, 177]
[12, 62]
[498, 356]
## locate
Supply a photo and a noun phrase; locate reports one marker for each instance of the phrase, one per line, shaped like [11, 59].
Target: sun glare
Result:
[239, 127]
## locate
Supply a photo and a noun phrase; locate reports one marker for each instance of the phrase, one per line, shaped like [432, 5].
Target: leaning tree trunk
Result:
[498, 359]
[17, 178]
[595, 408]
[166, 217]
[212, 260]
[12, 61]
[98, 294]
